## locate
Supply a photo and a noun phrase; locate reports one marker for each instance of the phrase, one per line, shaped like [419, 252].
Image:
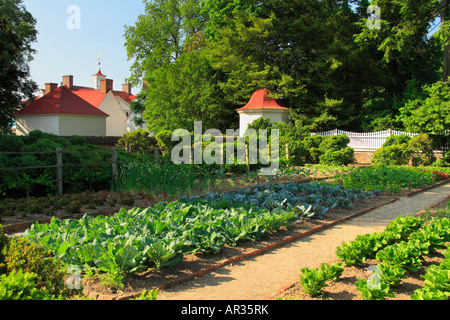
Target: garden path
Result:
[260, 277]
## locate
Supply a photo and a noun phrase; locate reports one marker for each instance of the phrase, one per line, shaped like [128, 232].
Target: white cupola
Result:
[97, 78]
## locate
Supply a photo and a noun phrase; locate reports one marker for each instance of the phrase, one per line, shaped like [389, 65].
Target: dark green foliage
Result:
[137, 140]
[11, 143]
[39, 150]
[206, 58]
[24, 256]
[17, 33]
[3, 243]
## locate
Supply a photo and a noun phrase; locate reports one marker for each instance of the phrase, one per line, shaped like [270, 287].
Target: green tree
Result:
[303, 50]
[430, 111]
[17, 33]
[402, 51]
[159, 34]
[185, 91]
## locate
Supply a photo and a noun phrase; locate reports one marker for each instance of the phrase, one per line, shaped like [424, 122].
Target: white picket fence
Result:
[366, 141]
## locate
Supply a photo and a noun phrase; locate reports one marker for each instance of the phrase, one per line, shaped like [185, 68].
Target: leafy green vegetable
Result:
[373, 288]
[314, 280]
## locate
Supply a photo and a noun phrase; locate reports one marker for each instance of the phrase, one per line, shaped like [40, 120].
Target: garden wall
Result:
[365, 157]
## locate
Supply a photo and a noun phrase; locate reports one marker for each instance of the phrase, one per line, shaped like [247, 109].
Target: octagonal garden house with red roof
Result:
[261, 105]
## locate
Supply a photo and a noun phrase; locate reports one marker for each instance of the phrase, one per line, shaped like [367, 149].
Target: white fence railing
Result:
[366, 141]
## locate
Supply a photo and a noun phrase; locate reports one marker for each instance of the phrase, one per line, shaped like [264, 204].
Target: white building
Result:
[115, 104]
[63, 113]
[261, 105]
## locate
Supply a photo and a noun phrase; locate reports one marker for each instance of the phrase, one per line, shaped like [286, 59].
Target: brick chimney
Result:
[106, 86]
[49, 87]
[126, 87]
[68, 81]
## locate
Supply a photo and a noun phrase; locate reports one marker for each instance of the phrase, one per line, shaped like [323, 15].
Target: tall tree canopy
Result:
[159, 34]
[320, 57]
[17, 33]
[404, 51]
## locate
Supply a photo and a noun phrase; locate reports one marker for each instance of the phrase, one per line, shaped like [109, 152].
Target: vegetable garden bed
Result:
[420, 267]
[198, 263]
[16, 215]
[270, 215]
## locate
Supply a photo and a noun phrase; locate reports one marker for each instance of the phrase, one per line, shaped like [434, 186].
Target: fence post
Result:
[114, 162]
[287, 151]
[247, 157]
[157, 155]
[59, 171]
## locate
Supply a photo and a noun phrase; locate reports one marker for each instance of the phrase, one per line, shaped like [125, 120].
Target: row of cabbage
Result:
[159, 236]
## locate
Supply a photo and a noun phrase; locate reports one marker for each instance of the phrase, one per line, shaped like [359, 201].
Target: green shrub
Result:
[19, 285]
[334, 143]
[77, 140]
[422, 149]
[137, 140]
[164, 139]
[22, 255]
[397, 140]
[391, 155]
[340, 157]
[3, 243]
[332, 150]
[11, 143]
[35, 136]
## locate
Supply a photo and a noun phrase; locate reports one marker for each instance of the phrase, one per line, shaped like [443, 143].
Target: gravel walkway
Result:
[261, 276]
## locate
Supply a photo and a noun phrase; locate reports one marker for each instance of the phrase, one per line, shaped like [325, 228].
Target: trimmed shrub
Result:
[340, 157]
[391, 155]
[137, 140]
[421, 148]
[397, 140]
[24, 256]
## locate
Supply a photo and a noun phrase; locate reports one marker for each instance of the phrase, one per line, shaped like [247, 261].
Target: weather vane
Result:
[99, 61]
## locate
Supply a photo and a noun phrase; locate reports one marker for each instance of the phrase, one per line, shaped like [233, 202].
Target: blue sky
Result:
[71, 51]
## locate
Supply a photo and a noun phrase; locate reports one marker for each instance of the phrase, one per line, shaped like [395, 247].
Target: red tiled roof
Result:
[95, 98]
[61, 101]
[260, 100]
